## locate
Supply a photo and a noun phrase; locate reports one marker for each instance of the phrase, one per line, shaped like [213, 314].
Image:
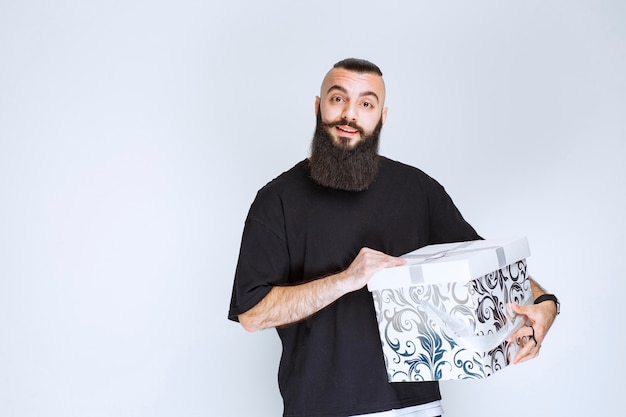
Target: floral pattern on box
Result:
[425, 328]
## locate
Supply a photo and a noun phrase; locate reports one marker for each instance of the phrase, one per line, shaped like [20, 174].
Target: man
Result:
[316, 234]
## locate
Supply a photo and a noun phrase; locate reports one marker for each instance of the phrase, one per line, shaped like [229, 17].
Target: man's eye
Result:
[337, 99]
[367, 105]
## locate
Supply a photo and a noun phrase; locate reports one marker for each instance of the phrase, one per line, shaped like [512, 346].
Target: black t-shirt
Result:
[332, 363]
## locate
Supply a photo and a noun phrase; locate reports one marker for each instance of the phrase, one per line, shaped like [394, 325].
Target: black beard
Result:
[340, 167]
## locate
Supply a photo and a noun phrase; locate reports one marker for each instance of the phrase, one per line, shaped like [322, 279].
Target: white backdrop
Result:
[135, 134]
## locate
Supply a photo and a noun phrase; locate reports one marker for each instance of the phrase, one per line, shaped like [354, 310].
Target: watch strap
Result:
[549, 297]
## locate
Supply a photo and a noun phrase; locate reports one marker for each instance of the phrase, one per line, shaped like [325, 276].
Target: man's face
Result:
[351, 104]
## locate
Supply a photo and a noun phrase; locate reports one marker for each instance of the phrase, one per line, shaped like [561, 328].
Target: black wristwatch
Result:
[549, 297]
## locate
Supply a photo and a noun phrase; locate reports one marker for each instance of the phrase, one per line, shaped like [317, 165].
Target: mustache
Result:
[345, 123]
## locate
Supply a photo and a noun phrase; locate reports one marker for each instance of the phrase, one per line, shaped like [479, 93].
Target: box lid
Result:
[449, 262]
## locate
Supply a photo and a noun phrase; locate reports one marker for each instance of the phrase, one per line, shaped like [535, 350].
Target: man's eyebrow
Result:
[343, 90]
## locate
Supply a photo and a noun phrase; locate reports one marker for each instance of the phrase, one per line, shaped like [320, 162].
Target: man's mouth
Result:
[346, 130]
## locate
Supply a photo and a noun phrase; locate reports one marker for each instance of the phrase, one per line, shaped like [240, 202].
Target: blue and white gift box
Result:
[444, 315]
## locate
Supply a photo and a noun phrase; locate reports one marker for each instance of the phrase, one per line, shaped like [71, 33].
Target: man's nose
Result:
[349, 113]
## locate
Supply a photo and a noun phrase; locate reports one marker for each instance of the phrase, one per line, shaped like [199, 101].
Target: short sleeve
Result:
[446, 222]
[263, 257]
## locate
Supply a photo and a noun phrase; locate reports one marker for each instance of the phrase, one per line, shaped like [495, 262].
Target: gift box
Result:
[444, 315]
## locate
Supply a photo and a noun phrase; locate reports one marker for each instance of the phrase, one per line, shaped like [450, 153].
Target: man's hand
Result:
[365, 265]
[539, 319]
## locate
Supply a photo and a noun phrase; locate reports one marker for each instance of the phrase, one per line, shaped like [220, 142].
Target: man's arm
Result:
[289, 304]
[539, 319]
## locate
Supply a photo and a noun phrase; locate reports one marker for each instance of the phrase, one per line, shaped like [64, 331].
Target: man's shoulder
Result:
[286, 186]
[402, 170]
[297, 174]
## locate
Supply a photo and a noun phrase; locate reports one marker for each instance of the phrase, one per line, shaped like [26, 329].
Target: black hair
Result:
[358, 65]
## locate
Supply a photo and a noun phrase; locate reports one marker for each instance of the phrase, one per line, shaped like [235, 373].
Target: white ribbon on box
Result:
[457, 329]
[417, 276]
[435, 264]
[463, 335]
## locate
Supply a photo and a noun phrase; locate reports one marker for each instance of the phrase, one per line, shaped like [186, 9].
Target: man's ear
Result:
[317, 105]
[383, 116]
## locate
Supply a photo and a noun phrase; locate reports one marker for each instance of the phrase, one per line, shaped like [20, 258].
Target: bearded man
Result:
[316, 234]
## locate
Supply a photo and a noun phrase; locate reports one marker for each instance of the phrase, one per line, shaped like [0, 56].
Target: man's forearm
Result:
[290, 304]
[536, 289]
[284, 305]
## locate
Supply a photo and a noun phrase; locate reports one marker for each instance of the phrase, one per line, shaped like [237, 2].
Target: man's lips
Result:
[343, 129]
